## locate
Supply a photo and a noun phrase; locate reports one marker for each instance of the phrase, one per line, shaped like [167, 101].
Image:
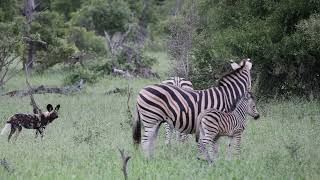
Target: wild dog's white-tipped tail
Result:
[6, 128]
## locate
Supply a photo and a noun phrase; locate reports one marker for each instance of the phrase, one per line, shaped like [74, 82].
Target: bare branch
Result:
[125, 160]
[33, 102]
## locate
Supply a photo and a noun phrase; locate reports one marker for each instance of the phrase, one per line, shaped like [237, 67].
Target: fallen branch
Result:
[121, 72]
[125, 160]
[45, 89]
[121, 91]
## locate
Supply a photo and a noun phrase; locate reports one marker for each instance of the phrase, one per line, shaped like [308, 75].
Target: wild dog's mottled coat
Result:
[31, 121]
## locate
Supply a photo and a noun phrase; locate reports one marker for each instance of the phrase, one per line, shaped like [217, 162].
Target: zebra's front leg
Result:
[229, 148]
[238, 144]
[168, 133]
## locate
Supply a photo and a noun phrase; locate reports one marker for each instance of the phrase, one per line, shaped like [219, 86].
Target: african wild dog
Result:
[31, 121]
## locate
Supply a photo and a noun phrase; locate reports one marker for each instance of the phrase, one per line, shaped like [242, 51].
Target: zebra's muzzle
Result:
[256, 117]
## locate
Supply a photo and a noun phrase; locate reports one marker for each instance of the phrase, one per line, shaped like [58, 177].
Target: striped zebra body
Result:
[214, 124]
[180, 107]
[184, 84]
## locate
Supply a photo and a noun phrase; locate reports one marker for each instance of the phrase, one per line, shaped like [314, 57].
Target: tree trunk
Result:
[28, 12]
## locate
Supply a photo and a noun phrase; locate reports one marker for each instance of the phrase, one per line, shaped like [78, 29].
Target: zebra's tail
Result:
[136, 129]
[6, 128]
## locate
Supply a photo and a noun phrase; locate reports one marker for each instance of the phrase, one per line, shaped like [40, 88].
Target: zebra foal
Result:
[213, 124]
[184, 84]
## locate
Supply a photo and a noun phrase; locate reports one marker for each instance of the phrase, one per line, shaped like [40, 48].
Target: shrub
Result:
[87, 41]
[79, 73]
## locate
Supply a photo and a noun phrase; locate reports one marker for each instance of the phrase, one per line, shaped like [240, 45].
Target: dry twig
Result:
[125, 160]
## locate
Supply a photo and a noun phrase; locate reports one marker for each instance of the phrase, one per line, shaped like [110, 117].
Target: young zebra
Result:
[184, 84]
[180, 108]
[213, 124]
[30, 121]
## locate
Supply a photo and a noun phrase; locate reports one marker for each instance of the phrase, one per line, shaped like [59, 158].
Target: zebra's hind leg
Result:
[168, 133]
[149, 138]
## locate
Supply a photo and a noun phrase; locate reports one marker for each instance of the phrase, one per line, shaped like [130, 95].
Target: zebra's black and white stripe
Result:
[214, 124]
[180, 108]
[184, 84]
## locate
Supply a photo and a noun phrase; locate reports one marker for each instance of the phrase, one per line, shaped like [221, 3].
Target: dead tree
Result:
[125, 160]
[180, 40]
[114, 44]
[29, 7]
[33, 103]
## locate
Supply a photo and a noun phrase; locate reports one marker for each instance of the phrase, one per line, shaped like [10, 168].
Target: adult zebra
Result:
[184, 84]
[180, 108]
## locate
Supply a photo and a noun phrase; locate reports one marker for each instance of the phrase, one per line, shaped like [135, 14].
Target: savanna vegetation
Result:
[110, 45]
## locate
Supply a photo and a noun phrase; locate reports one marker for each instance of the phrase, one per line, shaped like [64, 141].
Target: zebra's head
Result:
[252, 108]
[245, 62]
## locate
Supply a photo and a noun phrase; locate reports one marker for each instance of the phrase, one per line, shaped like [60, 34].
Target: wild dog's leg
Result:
[19, 128]
[41, 132]
[13, 130]
[37, 133]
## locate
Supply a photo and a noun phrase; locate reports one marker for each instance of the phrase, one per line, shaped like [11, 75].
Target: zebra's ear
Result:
[49, 107]
[235, 66]
[248, 63]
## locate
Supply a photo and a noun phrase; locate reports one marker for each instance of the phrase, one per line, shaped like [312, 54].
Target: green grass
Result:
[82, 143]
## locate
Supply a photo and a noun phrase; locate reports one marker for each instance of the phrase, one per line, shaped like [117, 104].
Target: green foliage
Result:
[86, 40]
[139, 59]
[79, 73]
[50, 28]
[66, 7]
[8, 10]
[100, 16]
[280, 37]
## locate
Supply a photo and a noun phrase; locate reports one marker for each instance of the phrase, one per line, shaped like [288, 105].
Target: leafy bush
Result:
[79, 73]
[101, 15]
[50, 28]
[86, 41]
[132, 62]
[281, 37]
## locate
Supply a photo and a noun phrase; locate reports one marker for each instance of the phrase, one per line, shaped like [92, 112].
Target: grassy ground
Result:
[82, 143]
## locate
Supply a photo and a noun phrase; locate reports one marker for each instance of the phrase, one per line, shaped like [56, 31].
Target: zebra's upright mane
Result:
[223, 77]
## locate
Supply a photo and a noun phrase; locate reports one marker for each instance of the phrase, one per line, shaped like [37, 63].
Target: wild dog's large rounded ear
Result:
[57, 107]
[49, 107]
